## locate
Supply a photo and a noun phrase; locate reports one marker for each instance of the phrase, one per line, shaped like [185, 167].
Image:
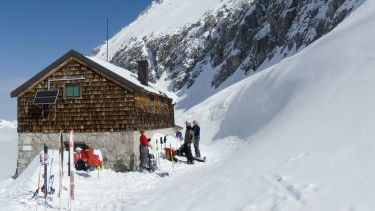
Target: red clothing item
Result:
[143, 140]
[80, 155]
[83, 155]
[92, 159]
[75, 157]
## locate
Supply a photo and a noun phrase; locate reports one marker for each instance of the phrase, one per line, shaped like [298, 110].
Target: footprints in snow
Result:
[283, 191]
[298, 157]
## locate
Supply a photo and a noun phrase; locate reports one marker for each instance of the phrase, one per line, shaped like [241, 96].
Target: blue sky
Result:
[35, 33]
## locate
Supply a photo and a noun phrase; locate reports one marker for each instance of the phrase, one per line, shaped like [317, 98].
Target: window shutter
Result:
[76, 91]
[69, 91]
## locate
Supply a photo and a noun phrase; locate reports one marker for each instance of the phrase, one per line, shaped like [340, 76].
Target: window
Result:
[73, 90]
[161, 105]
[151, 104]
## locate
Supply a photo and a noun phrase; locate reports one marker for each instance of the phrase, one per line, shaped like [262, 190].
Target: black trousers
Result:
[187, 150]
[81, 165]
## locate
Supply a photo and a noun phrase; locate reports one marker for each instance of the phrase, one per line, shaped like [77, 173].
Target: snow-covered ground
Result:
[103, 190]
[296, 136]
[8, 148]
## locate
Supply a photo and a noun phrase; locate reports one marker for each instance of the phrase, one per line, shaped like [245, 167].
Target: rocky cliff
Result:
[224, 36]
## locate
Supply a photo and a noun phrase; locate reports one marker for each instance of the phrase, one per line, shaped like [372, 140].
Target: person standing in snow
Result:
[179, 134]
[143, 151]
[189, 139]
[197, 132]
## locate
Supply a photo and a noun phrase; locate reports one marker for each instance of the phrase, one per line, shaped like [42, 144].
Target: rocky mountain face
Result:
[236, 36]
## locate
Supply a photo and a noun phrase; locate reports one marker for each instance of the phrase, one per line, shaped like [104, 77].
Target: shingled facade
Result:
[105, 105]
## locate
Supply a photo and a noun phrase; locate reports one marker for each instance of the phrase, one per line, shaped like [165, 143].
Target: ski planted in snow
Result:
[157, 154]
[40, 169]
[51, 178]
[71, 147]
[45, 171]
[61, 151]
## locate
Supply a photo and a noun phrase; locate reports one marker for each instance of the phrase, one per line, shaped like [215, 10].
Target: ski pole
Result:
[157, 151]
[45, 173]
[170, 147]
[40, 169]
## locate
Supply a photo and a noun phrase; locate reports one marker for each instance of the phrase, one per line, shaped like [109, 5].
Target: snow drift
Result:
[8, 147]
[306, 130]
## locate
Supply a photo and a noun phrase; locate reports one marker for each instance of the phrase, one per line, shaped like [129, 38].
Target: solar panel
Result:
[46, 97]
[47, 93]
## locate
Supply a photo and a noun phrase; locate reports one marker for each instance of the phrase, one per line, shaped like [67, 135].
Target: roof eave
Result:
[73, 53]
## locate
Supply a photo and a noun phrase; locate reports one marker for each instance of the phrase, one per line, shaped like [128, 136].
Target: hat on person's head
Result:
[78, 149]
[187, 122]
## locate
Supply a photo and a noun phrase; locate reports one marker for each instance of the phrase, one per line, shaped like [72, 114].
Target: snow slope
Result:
[306, 126]
[8, 148]
[183, 38]
[174, 14]
[296, 136]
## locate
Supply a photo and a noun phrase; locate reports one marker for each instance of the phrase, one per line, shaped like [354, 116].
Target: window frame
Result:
[151, 104]
[72, 85]
[162, 105]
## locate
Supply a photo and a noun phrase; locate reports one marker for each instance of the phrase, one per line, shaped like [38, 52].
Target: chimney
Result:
[143, 72]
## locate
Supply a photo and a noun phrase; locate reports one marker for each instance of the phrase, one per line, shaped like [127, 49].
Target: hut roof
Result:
[114, 72]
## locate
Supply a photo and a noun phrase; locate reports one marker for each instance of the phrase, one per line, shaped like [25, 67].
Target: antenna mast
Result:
[107, 39]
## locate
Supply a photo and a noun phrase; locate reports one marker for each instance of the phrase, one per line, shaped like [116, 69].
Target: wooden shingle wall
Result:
[104, 105]
[153, 115]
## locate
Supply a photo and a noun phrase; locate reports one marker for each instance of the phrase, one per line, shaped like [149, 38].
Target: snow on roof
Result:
[127, 75]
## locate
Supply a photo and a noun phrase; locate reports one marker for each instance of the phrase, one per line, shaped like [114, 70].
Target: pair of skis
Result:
[70, 170]
[71, 205]
[45, 188]
[43, 161]
[71, 165]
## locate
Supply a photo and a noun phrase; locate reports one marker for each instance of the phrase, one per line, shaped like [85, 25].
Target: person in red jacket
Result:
[143, 151]
[80, 158]
[79, 155]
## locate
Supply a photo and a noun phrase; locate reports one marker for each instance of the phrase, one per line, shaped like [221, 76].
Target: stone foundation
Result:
[120, 150]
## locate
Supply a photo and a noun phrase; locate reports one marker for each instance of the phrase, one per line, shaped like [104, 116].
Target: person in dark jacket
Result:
[143, 151]
[197, 132]
[189, 139]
